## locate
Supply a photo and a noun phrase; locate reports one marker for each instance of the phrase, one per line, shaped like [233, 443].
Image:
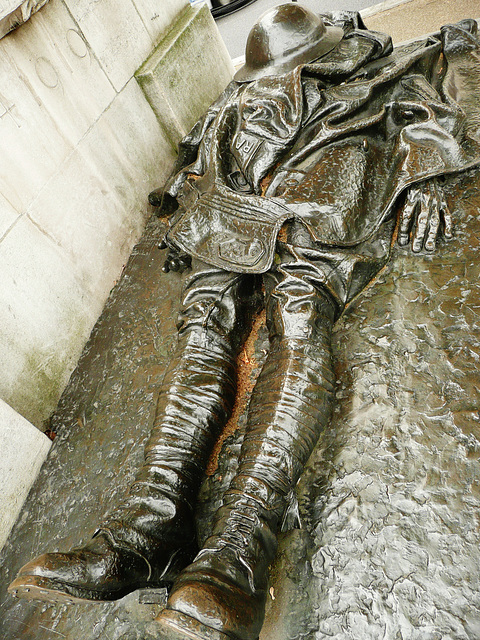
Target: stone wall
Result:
[24, 450]
[81, 149]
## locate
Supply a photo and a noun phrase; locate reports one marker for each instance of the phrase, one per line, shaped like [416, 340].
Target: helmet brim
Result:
[329, 41]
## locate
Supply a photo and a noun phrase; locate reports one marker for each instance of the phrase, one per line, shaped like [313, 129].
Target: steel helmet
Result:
[284, 37]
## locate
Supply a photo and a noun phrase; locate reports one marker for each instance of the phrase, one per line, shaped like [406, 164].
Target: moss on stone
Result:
[45, 373]
[179, 79]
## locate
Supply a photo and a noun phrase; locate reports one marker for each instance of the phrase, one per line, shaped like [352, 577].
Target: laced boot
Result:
[222, 594]
[150, 537]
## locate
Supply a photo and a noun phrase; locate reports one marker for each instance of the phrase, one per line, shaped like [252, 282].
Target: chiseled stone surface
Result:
[99, 222]
[49, 305]
[192, 50]
[25, 449]
[8, 217]
[159, 18]
[390, 544]
[25, 124]
[63, 72]
[123, 45]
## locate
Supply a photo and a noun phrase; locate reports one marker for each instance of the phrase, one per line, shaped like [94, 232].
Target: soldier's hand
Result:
[424, 217]
[176, 260]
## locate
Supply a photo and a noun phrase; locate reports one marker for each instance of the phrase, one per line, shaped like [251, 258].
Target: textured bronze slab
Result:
[389, 499]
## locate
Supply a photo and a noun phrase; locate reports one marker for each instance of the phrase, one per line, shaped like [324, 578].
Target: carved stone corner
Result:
[186, 72]
[16, 12]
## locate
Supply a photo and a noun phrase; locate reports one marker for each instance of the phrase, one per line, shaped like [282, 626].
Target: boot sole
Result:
[174, 625]
[47, 590]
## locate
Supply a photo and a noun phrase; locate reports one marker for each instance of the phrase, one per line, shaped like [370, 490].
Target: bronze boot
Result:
[222, 594]
[151, 536]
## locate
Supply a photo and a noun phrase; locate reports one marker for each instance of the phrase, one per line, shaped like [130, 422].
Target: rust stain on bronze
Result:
[246, 378]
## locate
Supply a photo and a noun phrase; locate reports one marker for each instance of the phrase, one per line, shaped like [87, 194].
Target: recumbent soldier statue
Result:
[291, 181]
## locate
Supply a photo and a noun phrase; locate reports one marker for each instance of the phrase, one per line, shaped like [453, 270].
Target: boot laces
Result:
[239, 534]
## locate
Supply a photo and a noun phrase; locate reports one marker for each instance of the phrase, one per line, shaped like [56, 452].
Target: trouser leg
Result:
[195, 400]
[150, 536]
[225, 587]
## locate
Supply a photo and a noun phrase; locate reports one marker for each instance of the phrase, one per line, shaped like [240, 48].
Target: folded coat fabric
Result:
[332, 144]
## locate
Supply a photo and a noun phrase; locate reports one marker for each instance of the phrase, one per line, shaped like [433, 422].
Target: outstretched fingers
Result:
[433, 230]
[421, 228]
[407, 215]
[424, 217]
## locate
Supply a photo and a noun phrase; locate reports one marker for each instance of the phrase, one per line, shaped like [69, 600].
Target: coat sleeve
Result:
[189, 146]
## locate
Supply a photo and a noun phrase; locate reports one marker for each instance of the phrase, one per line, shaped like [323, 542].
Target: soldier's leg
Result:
[150, 536]
[222, 593]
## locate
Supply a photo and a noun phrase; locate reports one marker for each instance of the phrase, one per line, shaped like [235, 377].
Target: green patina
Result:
[45, 373]
[169, 78]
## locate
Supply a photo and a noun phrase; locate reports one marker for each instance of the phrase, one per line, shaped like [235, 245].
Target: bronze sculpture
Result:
[273, 151]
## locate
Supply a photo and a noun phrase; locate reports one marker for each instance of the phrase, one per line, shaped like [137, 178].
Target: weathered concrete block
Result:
[32, 146]
[59, 270]
[104, 186]
[140, 143]
[44, 117]
[24, 449]
[52, 53]
[8, 215]
[116, 33]
[186, 72]
[45, 318]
